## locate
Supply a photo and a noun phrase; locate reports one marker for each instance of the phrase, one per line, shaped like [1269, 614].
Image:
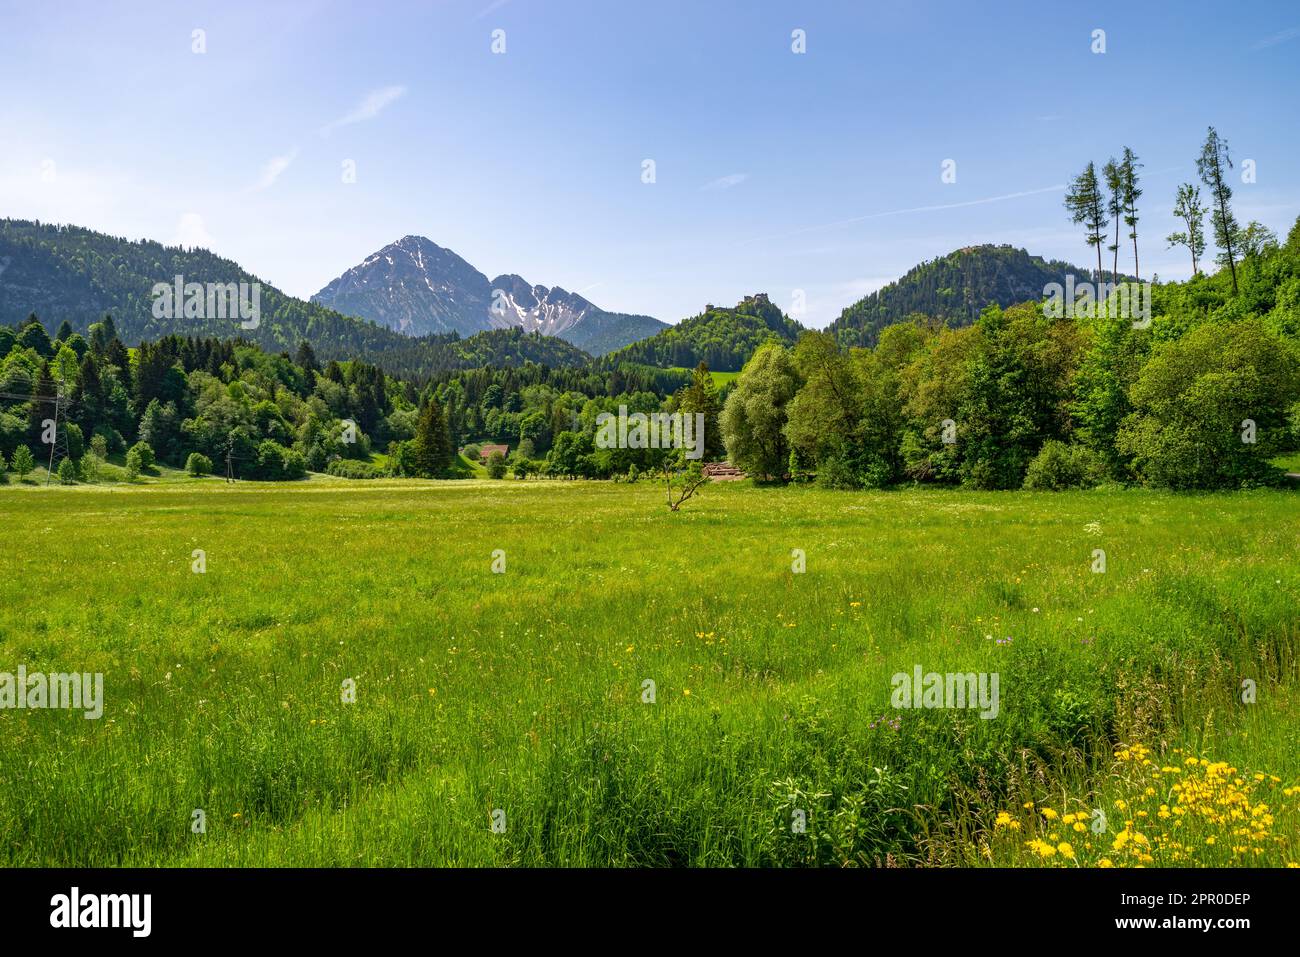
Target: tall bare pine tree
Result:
[1114, 176]
[1086, 206]
[1131, 193]
[1213, 165]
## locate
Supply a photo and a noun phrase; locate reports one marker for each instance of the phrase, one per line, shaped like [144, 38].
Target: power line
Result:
[54, 439]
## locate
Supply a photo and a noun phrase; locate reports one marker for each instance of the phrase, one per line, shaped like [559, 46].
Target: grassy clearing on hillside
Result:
[523, 692]
[719, 378]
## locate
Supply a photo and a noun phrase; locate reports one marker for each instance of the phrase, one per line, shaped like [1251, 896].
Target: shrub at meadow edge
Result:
[198, 465]
[350, 469]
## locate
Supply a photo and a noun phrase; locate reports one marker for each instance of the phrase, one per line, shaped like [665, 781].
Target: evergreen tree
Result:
[42, 406]
[1131, 194]
[1084, 201]
[431, 449]
[157, 375]
[1213, 164]
[23, 461]
[98, 338]
[1114, 176]
[117, 357]
[306, 357]
[702, 396]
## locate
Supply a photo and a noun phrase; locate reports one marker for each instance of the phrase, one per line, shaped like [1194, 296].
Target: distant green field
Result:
[719, 378]
[520, 698]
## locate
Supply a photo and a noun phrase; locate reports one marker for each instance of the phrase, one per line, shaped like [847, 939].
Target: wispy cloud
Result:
[726, 182]
[913, 209]
[1277, 38]
[494, 5]
[192, 231]
[374, 104]
[273, 168]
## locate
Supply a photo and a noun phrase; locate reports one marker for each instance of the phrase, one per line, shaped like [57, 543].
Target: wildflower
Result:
[1041, 848]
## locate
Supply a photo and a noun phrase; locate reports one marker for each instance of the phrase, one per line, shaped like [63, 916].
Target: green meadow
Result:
[505, 718]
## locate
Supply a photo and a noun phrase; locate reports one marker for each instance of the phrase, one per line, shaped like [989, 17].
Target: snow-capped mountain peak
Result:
[418, 287]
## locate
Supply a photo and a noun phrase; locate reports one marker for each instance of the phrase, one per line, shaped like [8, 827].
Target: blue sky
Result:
[774, 171]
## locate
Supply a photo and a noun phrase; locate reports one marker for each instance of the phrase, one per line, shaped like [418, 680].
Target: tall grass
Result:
[523, 691]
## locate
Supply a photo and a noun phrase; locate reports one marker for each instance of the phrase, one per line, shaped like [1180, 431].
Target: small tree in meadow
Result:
[23, 461]
[133, 463]
[496, 465]
[67, 472]
[431, 449]
[76, 441]
[681, 479]
[89, 466]
[144, 455]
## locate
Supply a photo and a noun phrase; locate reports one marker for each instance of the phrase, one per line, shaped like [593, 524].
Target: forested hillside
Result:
[952, 289]
[723, 339]
[66, 273]
[227, 406]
